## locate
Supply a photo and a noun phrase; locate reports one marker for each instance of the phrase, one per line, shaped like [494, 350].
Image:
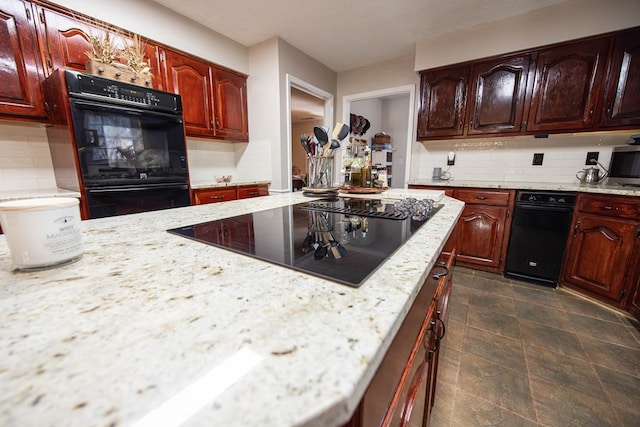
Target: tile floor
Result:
[518, 354]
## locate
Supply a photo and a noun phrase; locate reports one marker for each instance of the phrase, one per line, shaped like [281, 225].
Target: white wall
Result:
[566, 21]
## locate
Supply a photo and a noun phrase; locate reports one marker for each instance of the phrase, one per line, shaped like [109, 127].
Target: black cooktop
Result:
[344, 240]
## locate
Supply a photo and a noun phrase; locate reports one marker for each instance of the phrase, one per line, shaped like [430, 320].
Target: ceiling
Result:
[346, 34]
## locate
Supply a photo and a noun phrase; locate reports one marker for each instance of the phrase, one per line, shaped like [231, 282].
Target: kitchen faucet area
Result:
[419, 213]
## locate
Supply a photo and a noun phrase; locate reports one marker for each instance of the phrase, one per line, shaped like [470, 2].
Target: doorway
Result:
[391, 111]
[308, 107]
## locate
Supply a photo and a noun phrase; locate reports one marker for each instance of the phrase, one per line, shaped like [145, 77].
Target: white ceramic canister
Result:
[42, 232]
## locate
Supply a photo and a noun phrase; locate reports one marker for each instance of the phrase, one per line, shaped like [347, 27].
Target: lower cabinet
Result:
[483, 228]
[602, 251]
[201, 197]
[223, 194]
[403, 389]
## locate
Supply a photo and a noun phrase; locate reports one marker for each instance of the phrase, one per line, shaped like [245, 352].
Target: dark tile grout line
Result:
[623, 319]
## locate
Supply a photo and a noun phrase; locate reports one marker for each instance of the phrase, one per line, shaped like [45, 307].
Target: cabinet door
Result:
[497, 96]
[202, 197]
[567, 83]
[230, 105]
[480, 237]
[249, 191]
[443, 96]
[598, 255]
[191, 79]
[66, 40]
[20, 69]
[622, 102]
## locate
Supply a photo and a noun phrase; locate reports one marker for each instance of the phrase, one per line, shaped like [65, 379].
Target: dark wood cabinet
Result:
[191, 79]
[213, 195]
[248, 191]
[443, 96]
[497, 96]
[403, 389]
[483, 228]
[584, 85]
[605, 239]
[222, 194]
[568, 82]
[622, 96]
[230, 105]
[214, 100]
[21, 74]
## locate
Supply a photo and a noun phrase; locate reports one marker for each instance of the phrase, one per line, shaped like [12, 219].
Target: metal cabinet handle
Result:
[217, 197]
[608, 208]
[444, 329]
[575, 229]
[481, 197]
[437, 276]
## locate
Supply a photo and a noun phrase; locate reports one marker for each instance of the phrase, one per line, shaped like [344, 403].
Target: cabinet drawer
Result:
[483, 197]
[620, 207]
[253, 191]
[202, 197]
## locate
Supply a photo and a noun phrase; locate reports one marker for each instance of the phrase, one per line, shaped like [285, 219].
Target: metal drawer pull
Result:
[481, 197]
[217, 197]
[438, 276]
[607, 208]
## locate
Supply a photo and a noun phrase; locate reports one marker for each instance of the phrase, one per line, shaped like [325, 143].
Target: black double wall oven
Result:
[125, 143]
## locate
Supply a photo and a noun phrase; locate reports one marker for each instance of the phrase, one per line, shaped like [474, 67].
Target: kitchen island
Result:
[145, 316]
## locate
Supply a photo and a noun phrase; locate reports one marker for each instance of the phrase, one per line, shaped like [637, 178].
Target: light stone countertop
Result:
[36, 193]
[145, 314]
[548, 186]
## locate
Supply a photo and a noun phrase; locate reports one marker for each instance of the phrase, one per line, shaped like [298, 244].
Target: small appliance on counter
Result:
[624, 168]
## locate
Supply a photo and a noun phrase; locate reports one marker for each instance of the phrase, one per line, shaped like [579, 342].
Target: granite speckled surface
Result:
[549, 186]
[144, 313]
[36, 193]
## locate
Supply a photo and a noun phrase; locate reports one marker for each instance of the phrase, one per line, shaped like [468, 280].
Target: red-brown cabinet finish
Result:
[191, 79]
[230, 105]
[443, 95]
[568, 81]
[497, 96]
[600, 251]
[622, 103]
[21, 72]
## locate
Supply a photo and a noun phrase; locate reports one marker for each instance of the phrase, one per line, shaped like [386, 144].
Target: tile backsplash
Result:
[25, 161]
[510, 159]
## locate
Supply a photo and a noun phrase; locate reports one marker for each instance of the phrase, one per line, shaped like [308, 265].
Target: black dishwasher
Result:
[539, 231]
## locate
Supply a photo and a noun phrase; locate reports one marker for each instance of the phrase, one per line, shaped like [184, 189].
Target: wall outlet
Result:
[537, 159]
[592, 158]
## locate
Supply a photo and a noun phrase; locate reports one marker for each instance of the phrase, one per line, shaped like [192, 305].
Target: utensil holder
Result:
[320, 172]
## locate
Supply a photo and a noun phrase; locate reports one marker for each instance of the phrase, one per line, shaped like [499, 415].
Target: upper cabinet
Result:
[587, 85]
[567, 85]
[622, 101]
[214, 100]
[443, 95]
[21, 71]
[191, 79]
[230, 105]
[498, 91]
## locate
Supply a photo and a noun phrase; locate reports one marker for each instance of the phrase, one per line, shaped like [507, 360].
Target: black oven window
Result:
[119, 148]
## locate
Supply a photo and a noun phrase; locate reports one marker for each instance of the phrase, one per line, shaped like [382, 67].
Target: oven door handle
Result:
[96, 106]
[137, 188]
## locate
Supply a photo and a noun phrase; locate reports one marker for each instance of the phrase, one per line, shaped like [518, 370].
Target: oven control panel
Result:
[89, 86]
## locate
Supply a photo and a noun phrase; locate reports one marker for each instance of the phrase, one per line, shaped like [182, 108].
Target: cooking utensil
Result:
[304, 141]
[322, 135]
